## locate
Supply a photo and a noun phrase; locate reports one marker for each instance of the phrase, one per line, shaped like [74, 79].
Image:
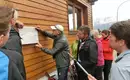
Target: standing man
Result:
[87, 53]
[14, 41]
[120, 41]
[60, 50]
[11, 62]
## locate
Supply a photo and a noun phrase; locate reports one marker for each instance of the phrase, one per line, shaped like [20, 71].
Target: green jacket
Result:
[74, 48]
[59, 50]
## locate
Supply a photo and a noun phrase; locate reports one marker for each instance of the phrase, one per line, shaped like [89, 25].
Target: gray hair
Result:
[95, 33]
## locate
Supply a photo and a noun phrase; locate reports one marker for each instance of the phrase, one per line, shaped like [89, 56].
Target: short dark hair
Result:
[6, 13]
[121, 31]
[106, 32]
[85, 29]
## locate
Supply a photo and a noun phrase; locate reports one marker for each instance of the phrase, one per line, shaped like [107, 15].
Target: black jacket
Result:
[88, 54]
[59, 51]
[16, 65]
[14, 41]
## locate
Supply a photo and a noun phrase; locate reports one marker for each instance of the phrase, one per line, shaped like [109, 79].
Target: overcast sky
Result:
[108, 8]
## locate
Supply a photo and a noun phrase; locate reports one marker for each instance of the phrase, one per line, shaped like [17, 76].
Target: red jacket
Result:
[107, 51]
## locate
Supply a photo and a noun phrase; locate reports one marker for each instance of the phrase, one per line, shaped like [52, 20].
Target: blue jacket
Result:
[12, 66]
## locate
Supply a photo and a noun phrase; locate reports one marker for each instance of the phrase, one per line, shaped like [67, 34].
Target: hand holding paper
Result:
[38, 28]
[39, 45]
[19, 24]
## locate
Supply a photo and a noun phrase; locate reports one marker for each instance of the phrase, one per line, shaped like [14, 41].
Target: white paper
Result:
[29, 35]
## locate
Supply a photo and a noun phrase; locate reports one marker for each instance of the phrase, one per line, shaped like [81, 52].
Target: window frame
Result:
[82, 14]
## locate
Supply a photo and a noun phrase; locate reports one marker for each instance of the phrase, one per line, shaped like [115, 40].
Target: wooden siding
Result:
[43, 13]
[89, 12]
[90, 23]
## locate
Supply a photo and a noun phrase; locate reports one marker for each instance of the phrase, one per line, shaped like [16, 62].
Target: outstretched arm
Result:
[58, 46]
[45, 33]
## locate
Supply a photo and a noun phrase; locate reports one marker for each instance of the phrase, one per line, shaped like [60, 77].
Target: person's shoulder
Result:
[3, 56]
[63, 39]
[4, 66]
[99, 41]
[90, 40]
[13, 55]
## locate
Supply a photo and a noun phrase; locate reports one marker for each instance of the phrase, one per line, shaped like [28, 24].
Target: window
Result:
[70, 17]
[74, 17]
[78, 17]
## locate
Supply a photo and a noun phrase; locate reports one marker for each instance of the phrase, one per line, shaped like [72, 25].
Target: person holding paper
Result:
[59, 51]
[11, 62]
[14, 41]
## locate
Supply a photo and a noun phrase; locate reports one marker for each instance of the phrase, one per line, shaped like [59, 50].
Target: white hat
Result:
[58, 27]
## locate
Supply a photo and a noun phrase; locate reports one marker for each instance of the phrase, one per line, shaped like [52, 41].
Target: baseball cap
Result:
[57, 27]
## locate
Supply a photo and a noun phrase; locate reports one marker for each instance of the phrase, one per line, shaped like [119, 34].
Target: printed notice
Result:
[29, 35]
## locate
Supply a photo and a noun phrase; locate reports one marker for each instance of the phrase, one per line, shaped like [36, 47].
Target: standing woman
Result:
[107, 52]
[100, 61]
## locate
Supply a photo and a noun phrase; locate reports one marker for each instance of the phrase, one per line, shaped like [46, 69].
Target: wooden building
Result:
[69, 13]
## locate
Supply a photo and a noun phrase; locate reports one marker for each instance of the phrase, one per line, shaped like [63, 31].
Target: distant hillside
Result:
[102, 26]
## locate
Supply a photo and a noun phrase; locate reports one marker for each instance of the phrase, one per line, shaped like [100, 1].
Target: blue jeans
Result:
[62, 73]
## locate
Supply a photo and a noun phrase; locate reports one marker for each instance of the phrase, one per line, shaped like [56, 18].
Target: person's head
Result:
[120, 36]
[5, 18]
[105, 33]
[57, 29]
[95, 34]
[83, 32]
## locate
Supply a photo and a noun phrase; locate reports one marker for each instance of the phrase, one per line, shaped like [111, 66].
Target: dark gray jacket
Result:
[14, 44]
[14, 41]
[59, 51]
